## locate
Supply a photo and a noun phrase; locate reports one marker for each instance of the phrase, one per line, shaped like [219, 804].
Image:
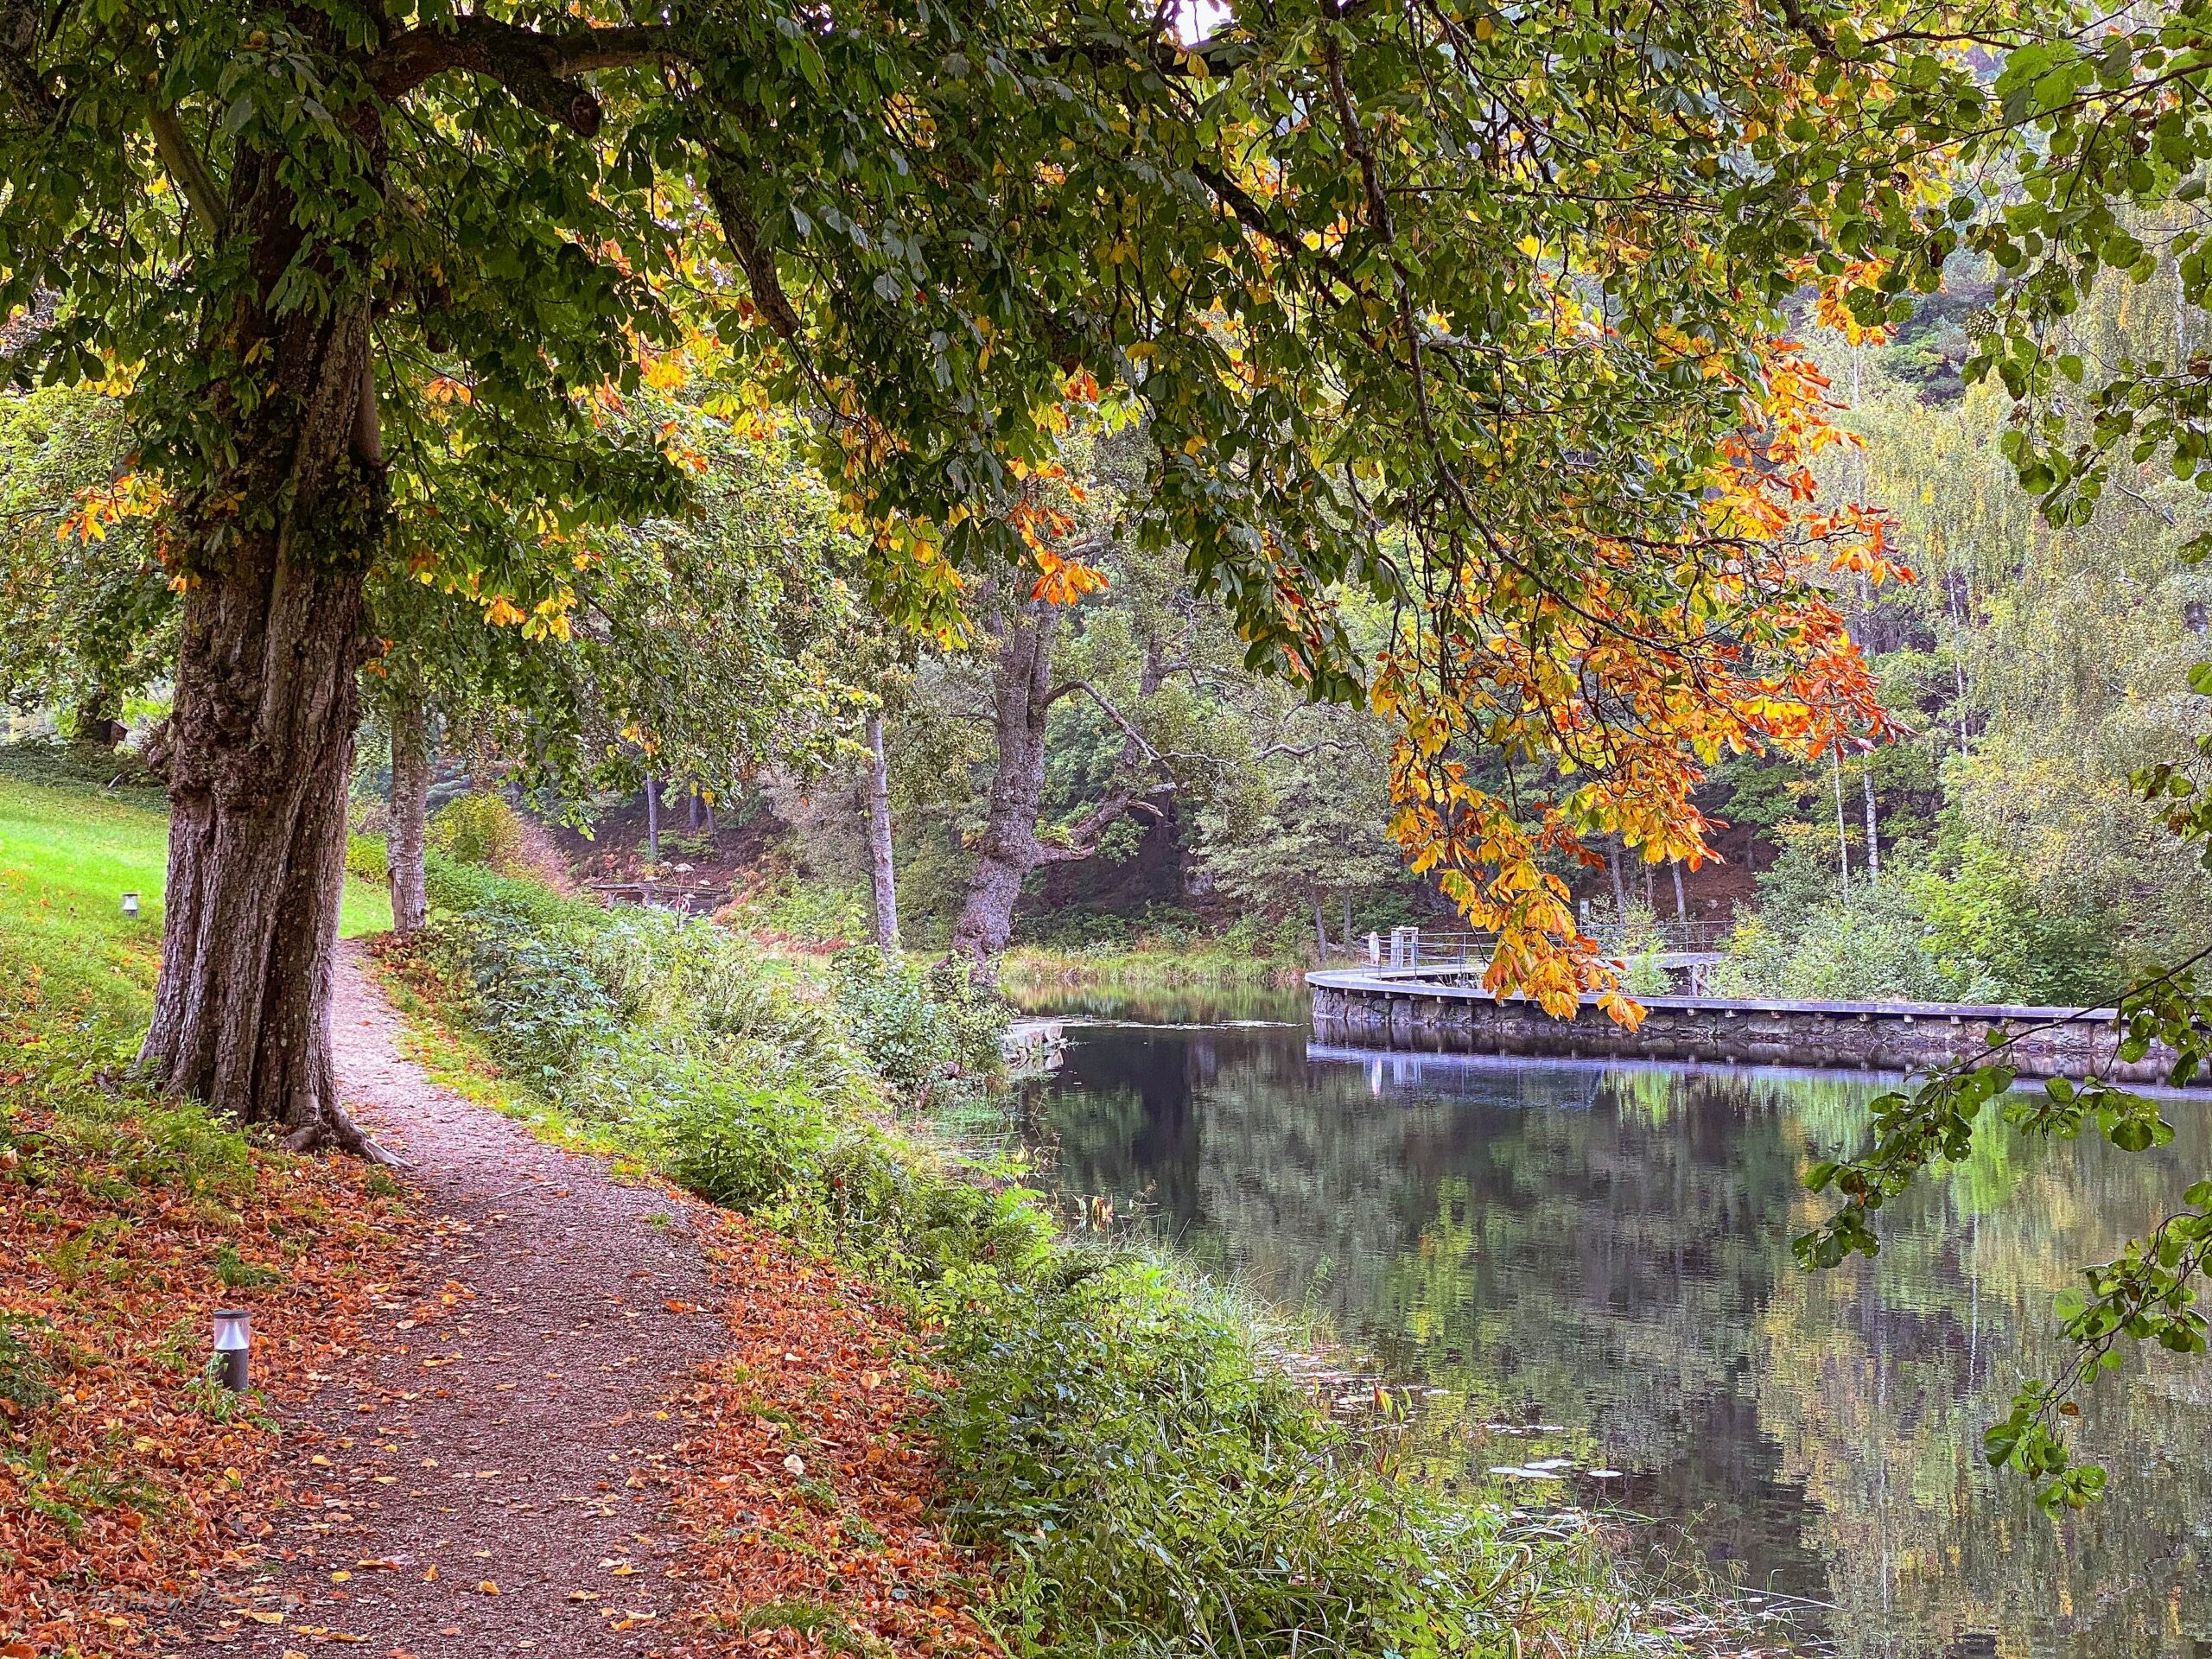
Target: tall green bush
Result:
[478, 829]
[931, 1037]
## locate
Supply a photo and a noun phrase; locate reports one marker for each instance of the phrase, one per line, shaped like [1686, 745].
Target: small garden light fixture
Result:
[233, 1342]
[130, 906]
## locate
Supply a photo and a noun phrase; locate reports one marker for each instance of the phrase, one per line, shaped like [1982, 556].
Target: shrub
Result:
[480, 829]
[1161, 1488]
[366, 858]
[1986, 919]
[749, 1147]
[815, 911]
[534, 996]
[459, 888]
[1874, 948]
[1806, 941]
[929, 1035]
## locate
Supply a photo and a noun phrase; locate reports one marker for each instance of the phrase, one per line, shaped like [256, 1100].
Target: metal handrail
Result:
[1416, 947]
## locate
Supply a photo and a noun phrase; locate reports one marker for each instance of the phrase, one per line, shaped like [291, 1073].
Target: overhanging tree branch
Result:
[535, 68]
[174, 145]
[742, 231]
[1106, 707]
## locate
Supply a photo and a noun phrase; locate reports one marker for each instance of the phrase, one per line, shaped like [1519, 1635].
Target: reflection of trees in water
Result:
[1609, 1248]
[1879, 1381]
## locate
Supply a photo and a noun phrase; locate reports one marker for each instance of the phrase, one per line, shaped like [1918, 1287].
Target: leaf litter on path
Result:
[582, 1471]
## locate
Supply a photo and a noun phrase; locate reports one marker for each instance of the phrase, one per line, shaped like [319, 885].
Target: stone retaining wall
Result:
[1880, 1037]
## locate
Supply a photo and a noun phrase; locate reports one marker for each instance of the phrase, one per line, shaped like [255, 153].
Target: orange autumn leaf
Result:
[1064, 579]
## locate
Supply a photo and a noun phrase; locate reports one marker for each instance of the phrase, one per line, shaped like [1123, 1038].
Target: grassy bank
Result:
[1242, 956]
[124, 1220]
[1149, 1481]
[70, 847]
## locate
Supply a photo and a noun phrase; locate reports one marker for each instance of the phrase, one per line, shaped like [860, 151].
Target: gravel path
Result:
[479, 1467]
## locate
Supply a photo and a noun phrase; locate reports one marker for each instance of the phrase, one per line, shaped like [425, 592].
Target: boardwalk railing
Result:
[1428, 947]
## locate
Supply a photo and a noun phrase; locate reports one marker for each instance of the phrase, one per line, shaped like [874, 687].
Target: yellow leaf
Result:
[488, 1588]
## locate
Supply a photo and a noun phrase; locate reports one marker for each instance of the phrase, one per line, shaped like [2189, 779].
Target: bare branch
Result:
[742, 233]
[1254, 218]
[174, 145]
[1106, 706]
[534, 67]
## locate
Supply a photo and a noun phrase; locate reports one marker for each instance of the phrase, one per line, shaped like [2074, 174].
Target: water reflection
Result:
[1605, 1249]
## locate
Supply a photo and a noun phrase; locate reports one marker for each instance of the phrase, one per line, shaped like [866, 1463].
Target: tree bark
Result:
[274, 628]
[1681, 902]
[1873, 843]
[883, 875]
[652, 819]
[1620, 887]
[1320, 930]
[1008, 849]
[410, 793]
[1842, 831]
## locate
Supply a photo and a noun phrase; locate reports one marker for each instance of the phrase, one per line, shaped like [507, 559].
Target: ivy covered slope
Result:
[1148, 1481]
[125, 1220]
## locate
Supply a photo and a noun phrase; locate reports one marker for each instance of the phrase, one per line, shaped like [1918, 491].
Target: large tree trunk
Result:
[274, 629]
[883, 875]
[1009, 849]
[411, 794]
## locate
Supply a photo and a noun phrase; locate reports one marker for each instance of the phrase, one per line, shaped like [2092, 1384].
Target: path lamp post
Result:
[233, 1342]
[130, 906]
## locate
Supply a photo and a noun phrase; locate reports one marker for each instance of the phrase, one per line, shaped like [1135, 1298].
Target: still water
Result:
[1601, 1252]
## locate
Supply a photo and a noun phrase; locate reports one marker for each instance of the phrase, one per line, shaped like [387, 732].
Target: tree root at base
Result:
[332, 1126]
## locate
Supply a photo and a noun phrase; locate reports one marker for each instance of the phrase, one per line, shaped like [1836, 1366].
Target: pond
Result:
[1590, 1264]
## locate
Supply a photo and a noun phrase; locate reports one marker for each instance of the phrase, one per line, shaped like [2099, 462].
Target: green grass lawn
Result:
[67, 854]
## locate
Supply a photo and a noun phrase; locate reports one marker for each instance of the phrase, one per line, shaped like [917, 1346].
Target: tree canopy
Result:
[1476, 311]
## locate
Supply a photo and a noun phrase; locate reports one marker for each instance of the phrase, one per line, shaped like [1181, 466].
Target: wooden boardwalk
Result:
[1446, 1009]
